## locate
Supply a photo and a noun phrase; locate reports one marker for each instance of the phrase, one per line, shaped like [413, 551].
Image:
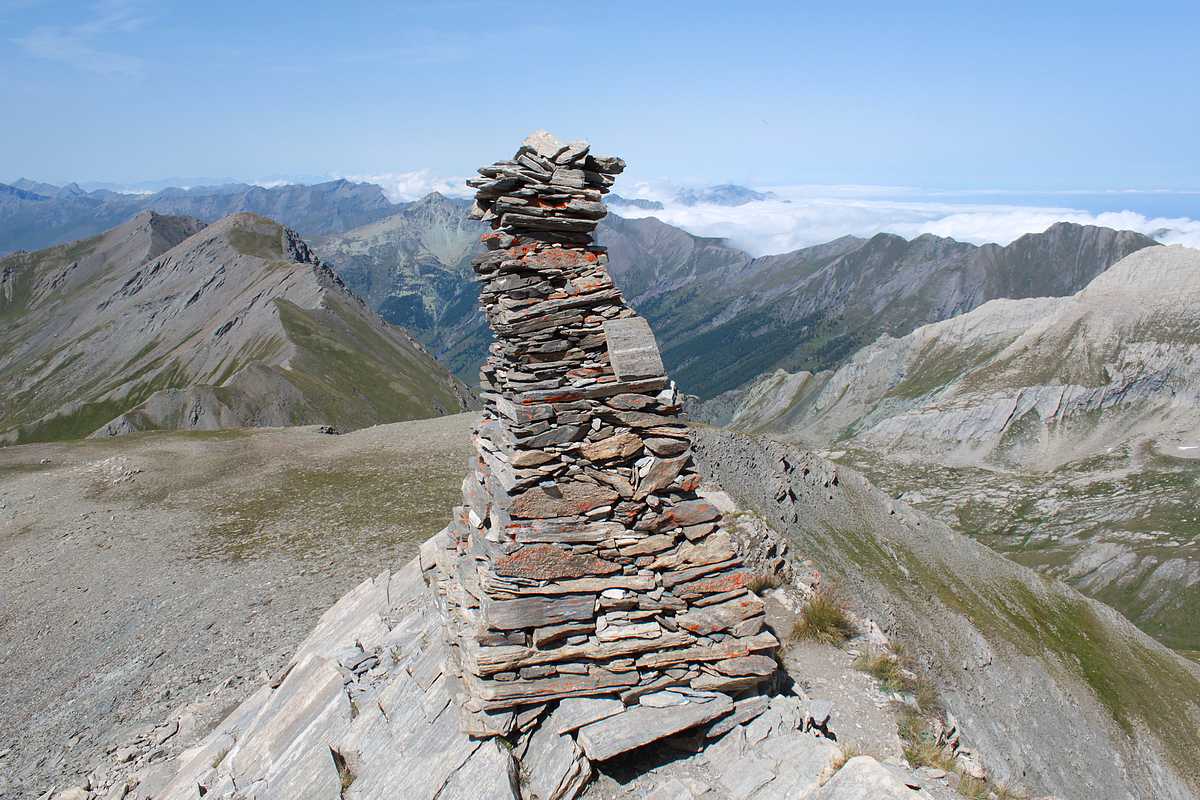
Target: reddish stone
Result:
[563, 500]
[691, 483]
[630, 402]
[558, 258]
[726, 582]
[587, 285]
[566, 396]
[691, 512]
[623, 445]
[545, 562]
[522, 250]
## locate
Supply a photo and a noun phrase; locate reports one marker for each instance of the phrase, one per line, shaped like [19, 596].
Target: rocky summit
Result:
[584, 601]
[594, 623]
[582, 563]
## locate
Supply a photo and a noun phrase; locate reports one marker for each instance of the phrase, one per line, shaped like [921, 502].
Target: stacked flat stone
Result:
[582, 562]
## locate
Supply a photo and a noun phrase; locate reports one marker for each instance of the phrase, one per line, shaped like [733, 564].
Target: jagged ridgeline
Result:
[582, 562]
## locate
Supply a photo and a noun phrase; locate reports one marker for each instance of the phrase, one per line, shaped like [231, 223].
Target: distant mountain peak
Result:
[725, 194]
[37, 187]
[40, 215]
[634, 202]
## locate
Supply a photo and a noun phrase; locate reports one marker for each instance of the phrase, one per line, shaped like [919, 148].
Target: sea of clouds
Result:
[799, 216]
[401, 187]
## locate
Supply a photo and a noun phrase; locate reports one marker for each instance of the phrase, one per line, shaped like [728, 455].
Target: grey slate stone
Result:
[744, 776]
[818, 712]
[307, 710]
[575, 712]
[641, 725]
[489, 766]
[553, 765]
[671, 789]
[632, 349]
[544, 144]
[537, 612]
[802, 762]
[864, 778]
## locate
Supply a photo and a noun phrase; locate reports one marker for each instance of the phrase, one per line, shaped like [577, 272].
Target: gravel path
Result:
[138, 574]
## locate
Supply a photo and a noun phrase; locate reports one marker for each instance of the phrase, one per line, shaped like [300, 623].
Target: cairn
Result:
[583, 563]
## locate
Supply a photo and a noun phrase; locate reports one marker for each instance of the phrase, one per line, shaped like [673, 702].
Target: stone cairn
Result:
[582, 563]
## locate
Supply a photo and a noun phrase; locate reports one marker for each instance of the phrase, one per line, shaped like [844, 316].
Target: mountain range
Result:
[1041, 397]
[165, 322]
[1062, 430]
[723, 318]
[816, 345]
[37, 215]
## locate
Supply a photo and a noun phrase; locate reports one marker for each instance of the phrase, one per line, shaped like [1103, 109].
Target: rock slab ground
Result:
[365, 709]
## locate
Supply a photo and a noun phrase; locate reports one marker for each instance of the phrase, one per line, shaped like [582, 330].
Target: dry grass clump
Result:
[846, 751]
[824, 619]
[895, 673]
[921, 747]
[973, 788]
[886, 668]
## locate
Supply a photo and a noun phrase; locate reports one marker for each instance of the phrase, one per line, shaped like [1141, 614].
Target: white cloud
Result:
[807, 215]
[402, 186]
[78, 46]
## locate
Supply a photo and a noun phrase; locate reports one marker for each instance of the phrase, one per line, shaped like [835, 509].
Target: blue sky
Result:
[1025, 101]
[954, 95]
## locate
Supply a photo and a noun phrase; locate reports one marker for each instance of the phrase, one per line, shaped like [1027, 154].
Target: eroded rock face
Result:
[582, 562]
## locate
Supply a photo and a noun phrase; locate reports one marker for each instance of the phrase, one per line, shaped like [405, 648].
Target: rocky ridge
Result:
[367, 708]
[164, 322]
[941, 596]
[1014, 381]
[1058, 693]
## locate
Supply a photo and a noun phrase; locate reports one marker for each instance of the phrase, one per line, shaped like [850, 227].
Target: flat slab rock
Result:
[641, 725]
[864, 778]
[405, 740]
[632, 348]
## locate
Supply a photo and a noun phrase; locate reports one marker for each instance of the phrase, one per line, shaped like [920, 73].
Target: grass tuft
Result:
[973, 788]
[887, 668]
[824, 619]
